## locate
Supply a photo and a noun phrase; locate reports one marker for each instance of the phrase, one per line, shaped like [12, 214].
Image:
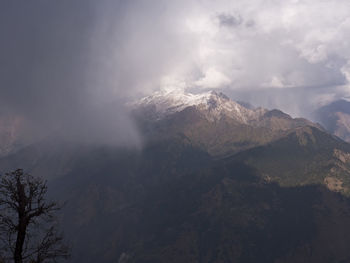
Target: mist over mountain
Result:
[192, 131]
[336, 118]
[88, 58]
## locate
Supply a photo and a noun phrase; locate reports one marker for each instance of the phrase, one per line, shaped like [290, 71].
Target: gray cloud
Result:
[229, 20]
[69, 66]
[46, 72]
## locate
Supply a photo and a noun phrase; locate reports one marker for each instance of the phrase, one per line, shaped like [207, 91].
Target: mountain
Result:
[211, 121]
[335, 117]
[212, 104]
[215, 181]
[305, 156]
[172, 203]
[286, 150]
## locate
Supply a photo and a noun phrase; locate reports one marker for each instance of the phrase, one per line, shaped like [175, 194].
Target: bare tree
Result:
[27, 221]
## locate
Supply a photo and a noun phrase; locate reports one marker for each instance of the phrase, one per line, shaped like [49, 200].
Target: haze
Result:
[69, 66]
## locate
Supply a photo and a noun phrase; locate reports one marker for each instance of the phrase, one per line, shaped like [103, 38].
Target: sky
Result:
[69, 66]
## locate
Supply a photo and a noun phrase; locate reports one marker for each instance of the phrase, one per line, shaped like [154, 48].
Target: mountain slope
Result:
[306, 155]
[211, 121]
[204, 188]
[173, 203]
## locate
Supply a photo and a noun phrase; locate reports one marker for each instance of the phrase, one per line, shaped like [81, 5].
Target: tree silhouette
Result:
[27, 221]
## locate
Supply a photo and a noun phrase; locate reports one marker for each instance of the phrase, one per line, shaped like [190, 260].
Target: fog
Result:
[68, 67]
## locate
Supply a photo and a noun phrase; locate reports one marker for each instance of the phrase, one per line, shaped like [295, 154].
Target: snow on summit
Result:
[213, 104]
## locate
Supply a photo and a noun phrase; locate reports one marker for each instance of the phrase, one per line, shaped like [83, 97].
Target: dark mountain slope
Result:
[223, 212]
[172, 202]
[304, 156]
[280, 194]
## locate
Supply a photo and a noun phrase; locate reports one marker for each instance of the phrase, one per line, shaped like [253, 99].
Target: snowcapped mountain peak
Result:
[212, 104]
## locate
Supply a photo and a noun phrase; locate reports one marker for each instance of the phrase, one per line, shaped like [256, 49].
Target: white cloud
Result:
[241, 44]
[213, 79]
[275, 82]
[293, 52]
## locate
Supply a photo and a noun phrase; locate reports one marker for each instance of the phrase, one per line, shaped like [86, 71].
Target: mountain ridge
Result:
[215, 103]
[212, 121]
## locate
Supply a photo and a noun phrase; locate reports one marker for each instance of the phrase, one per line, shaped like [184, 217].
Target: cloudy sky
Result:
[67, 62]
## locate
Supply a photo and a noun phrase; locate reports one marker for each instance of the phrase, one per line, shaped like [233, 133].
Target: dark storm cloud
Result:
[45, 69]
[229, 20]
[42, 53]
